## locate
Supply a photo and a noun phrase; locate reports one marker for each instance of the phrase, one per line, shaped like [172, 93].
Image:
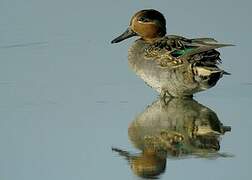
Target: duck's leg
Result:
[165, 94]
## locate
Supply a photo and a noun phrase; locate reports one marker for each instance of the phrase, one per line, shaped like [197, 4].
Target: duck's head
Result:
[149, 24]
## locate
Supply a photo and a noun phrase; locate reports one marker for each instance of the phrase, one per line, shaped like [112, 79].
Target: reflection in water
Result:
[172, 128]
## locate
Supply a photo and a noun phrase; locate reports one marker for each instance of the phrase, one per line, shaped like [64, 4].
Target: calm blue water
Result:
[68, 96]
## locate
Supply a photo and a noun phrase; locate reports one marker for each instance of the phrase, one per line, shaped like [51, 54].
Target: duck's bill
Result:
[127, 34]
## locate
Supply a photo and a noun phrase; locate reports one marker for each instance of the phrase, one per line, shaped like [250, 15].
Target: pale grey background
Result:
[67, 95]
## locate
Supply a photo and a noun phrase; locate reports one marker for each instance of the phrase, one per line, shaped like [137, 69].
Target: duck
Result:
[172, 129]
[173, 65]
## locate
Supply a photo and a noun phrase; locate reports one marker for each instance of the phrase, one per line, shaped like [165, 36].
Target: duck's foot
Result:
[166, 95]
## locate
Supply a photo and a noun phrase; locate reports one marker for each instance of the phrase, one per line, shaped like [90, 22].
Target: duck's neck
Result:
[152, 40]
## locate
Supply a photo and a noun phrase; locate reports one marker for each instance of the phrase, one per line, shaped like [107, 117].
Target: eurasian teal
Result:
[173, 128]
[172, 65]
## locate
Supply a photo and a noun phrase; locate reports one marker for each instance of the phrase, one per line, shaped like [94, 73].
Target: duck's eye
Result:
[143, 19]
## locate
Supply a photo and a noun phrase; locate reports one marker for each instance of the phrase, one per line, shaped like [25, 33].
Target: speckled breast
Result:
[174, 80]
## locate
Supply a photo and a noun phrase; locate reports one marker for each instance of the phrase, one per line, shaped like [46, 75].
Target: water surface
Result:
[68, 96]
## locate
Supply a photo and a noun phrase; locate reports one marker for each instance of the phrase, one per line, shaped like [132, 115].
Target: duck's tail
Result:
[205, 68]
